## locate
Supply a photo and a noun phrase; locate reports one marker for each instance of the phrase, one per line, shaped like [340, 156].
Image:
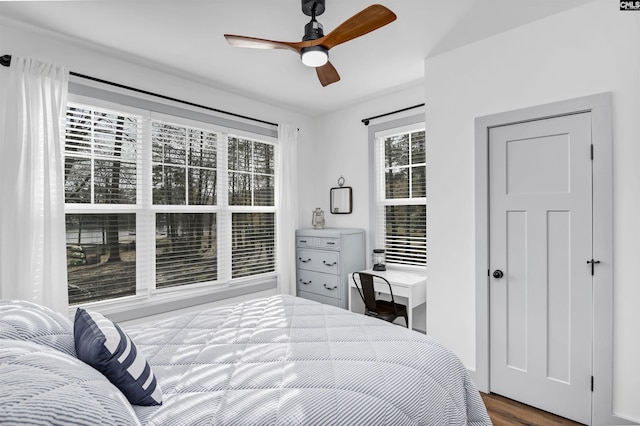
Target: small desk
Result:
[410, 285]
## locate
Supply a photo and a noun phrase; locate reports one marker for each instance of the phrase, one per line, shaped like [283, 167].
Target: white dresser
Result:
[325, 260]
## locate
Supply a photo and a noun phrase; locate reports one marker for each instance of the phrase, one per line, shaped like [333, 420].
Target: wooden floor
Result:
[504, 411]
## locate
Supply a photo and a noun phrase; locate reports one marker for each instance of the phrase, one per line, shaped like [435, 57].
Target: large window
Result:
[161, 203]
[400, 201]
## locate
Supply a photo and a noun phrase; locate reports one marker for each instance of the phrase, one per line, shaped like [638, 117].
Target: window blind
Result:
[253, 247]
[184, 164]
[101, 156]
[101, 256]
[186, 248]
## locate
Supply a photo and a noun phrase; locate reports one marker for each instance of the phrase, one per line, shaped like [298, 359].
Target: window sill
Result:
[139, 306]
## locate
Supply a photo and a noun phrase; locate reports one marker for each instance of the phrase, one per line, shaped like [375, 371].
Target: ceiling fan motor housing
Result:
[307, 7]
[312, 31]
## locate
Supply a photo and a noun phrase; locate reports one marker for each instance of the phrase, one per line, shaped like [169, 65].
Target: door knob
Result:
[498, 274]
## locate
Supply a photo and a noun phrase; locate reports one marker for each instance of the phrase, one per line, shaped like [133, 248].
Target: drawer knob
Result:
[305, 282]
[329, 264]
[329, 288]
[304, 261]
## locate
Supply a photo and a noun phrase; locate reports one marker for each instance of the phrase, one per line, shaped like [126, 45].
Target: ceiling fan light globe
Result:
[314, 56]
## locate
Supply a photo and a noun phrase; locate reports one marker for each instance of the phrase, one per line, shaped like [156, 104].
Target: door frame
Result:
[599, 106]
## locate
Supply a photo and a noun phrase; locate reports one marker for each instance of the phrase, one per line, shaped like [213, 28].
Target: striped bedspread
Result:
[290, 361]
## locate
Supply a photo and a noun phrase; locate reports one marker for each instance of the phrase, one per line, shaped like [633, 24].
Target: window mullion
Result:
[187, 167]
[252, 174]
[93, 157]
[379, 174]
[410, 165]
[146, 219]
[224, 213]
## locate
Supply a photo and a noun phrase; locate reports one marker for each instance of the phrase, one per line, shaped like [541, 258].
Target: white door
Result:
[540, 208]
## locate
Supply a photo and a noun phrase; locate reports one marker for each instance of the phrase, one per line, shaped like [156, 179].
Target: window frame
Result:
[408, 123]
[148, 299]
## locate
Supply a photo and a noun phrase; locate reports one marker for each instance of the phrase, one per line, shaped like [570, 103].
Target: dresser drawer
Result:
[305, 241]
[328, 243]
[327, 285]
[318, 260]
[319, 298]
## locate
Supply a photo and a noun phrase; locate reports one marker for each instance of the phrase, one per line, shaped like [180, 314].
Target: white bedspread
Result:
[290, 361]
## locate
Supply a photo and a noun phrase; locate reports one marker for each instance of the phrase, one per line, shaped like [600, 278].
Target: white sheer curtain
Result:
[32, 226]
[287, 207]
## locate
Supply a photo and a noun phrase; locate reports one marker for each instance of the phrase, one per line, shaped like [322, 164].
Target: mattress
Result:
[285, 360]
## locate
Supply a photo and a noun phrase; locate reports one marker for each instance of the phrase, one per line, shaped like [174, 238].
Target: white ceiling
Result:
[186, 37]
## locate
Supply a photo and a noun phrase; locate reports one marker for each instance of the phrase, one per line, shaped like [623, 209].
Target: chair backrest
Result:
[366, 288]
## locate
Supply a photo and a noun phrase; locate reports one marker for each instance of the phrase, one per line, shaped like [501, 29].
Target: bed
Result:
[281, 360]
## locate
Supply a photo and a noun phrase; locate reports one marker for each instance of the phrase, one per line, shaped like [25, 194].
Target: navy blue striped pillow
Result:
[102, 344]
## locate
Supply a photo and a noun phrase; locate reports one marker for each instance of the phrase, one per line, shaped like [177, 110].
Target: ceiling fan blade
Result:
[369, 19]
[327, 74]
[260, 43]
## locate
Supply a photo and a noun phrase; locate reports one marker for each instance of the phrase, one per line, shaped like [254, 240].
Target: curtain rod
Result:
[5, 60]
[366, 120]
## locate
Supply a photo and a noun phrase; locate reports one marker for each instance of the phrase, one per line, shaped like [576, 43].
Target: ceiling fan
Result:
[314, 47]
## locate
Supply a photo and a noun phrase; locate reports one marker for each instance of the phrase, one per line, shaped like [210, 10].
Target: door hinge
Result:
[593, 265]
[592, 151]
[591, 383]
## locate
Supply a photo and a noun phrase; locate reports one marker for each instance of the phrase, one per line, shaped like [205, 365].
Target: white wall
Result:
[341, 149]
[583, 51]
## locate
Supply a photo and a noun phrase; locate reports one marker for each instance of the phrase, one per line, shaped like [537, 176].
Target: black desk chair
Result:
[383, 309]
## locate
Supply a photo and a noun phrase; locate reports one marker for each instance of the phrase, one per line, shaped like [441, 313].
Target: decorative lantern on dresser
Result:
[326, 258]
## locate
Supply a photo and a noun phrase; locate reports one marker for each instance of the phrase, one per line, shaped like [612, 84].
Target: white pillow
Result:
[22, 320]
[41, 385]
